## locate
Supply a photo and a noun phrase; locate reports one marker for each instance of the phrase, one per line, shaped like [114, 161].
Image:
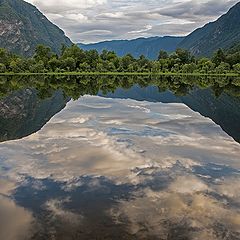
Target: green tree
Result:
[205, 65]
[92, 58]
[109, 66]
[100, 67]
[84, 67]
[233, 59]
[4, 56]
[104, 55]
[37, 67]
[54, 64]
[142, 61]
[236, 68]
[68, 64]
[76, 53]
[42, 53]
[176, 68]
[14, 67]
[189, 68]
[3, 68]
[219, 57]
[162, 55]
[223, 68]
[183, 55]
[126, 61]
[156, 67]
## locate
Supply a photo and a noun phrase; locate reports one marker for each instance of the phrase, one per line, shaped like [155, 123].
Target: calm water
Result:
[119, 158]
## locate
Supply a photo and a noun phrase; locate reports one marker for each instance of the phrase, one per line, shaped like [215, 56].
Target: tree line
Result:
[74, 59]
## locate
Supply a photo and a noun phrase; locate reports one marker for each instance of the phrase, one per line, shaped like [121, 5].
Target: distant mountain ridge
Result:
[23, 27]
[149, 47]
[223, 33]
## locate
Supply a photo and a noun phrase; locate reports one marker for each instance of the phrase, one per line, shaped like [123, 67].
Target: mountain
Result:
[149, 47]
[223, 33]
[23, 26]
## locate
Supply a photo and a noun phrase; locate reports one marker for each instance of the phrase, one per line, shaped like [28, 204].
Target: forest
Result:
[75, 60]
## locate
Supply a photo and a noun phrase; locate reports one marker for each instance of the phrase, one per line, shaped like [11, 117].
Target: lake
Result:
[117, 157]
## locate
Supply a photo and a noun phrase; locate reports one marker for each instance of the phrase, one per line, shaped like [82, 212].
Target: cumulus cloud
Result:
[97, 20]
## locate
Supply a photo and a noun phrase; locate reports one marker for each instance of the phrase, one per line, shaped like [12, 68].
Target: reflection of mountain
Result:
[223, 110]
[23, 113]
[150, 94]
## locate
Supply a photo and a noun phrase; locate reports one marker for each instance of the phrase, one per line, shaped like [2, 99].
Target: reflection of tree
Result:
[76, 86]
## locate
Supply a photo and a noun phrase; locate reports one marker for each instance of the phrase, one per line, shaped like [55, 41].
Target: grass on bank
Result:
[119, 74]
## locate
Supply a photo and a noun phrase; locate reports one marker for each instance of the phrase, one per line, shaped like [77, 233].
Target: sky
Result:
[88, 21]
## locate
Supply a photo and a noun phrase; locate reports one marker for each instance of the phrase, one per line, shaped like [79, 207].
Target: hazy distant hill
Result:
[23, 26]
[149, 47]
[222, 33]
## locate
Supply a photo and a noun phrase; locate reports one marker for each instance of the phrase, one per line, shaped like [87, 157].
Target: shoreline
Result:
[120, 74]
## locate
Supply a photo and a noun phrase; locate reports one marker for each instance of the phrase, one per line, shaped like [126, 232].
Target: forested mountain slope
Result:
[23, 26]
[223, 33]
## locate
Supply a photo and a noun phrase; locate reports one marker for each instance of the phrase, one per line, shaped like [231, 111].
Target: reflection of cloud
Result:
[15, 222]
[57, 211]
[187, 184]
[6, 186]
[166, 213]
[153, 147]
[230, 188]
[86, 139]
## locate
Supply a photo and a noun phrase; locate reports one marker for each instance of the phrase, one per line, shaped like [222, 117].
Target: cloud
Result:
[145, 29]
[196, 10]
[62, 6]
[114, 19]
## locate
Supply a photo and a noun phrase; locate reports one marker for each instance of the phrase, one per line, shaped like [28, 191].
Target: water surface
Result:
[119, 158]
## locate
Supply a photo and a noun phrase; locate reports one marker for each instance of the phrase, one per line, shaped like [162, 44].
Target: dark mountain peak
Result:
[222, 33]
[23, 26]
